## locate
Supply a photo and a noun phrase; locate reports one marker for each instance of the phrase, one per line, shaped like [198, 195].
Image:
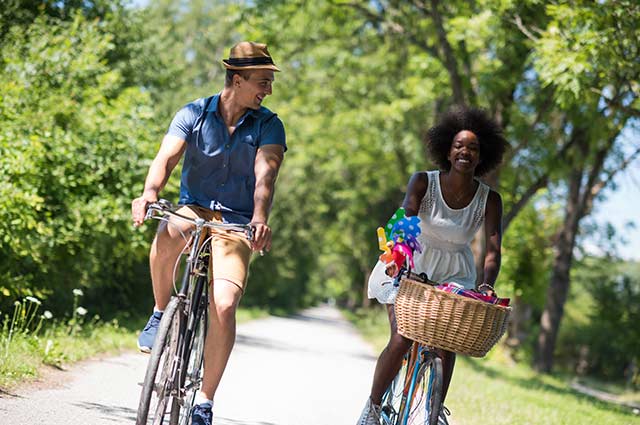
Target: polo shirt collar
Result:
[213, 107]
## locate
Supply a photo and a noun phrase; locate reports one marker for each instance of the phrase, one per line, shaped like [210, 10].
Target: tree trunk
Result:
[517, 330]
[559, 285]
[366, 302]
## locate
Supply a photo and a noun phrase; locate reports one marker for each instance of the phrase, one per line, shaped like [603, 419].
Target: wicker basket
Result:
[444, 320]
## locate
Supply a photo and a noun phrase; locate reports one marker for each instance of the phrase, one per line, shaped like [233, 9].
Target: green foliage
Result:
[29, 339]
[601, 335]
[73, 149]
[527, 254]
[585, 43]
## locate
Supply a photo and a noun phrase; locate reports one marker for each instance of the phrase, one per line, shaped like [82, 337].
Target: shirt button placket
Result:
[227, 146]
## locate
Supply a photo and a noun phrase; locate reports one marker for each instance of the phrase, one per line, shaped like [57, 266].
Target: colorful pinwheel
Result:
[399, 239]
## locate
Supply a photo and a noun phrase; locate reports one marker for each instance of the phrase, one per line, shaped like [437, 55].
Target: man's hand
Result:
[139, 207]
[261, 236]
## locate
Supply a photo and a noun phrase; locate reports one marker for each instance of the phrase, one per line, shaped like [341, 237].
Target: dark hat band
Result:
[263, 60]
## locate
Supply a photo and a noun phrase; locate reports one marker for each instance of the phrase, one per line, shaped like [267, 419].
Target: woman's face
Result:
[464, 154]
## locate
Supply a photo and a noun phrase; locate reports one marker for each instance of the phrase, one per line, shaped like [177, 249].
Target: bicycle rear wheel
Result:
[160, 378]
[425, 404]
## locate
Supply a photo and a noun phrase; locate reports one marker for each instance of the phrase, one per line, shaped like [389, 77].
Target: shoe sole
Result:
[146, 350]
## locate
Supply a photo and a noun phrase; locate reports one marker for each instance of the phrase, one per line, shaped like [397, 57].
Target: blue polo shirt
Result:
[218, 169]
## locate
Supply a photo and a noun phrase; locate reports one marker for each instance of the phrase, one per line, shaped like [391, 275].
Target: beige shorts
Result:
[230, 251]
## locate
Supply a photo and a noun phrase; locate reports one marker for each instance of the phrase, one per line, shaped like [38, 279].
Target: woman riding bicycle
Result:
[452, 205]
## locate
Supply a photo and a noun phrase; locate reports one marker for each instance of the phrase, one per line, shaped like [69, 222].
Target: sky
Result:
[623, 206]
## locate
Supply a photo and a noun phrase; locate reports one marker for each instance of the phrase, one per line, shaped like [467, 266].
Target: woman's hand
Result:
[391, 269]
[485, 288]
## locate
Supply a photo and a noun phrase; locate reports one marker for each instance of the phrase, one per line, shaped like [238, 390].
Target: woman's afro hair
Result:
[489, 134]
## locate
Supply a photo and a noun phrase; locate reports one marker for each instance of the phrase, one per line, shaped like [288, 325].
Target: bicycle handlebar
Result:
[165, 207]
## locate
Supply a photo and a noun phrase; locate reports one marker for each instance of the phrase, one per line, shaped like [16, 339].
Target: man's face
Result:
[251, 92]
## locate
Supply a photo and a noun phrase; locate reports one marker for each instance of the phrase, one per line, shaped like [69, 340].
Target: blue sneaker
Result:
[201, 415]
[148, 334]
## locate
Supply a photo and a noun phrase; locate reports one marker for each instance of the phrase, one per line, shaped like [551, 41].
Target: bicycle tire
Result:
[425, 403]
[159, 373]
[190, 376]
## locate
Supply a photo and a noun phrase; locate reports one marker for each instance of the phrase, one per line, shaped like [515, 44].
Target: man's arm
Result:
[163, 164]
[267, 163]
[493, 237]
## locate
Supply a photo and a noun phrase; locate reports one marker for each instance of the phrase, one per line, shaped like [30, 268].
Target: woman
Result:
[452, 205]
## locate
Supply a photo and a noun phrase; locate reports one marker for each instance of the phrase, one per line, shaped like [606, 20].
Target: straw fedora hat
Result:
[249, 55]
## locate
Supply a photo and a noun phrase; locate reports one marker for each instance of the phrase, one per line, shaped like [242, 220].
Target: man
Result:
[233, 149]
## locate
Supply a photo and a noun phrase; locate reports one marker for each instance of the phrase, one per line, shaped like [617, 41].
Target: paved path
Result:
[310, 369]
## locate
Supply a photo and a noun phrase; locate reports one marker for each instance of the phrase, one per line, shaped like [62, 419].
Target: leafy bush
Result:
[74, 147]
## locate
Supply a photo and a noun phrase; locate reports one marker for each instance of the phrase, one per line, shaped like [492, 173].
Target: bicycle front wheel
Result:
[190, 376]
[425, 402]
[160, 378]
[392, 398]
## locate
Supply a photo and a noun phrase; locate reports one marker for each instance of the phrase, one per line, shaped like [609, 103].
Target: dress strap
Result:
[481, 203]
[426, 206]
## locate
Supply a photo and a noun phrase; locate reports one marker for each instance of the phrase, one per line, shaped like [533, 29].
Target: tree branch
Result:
[449, 58]
[518, 21]
[541, 182]
[615, 103]
[394, 27]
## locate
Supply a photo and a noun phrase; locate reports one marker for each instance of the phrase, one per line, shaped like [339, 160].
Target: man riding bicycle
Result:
[233, 148]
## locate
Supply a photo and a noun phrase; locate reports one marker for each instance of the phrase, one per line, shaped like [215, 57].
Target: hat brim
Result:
[249, 67]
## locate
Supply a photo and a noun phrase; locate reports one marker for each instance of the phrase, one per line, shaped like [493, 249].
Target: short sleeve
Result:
[183, 122]
[272, 132]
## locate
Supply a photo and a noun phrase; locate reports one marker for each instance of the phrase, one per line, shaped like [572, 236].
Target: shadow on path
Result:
[227, 421]
[113, 413]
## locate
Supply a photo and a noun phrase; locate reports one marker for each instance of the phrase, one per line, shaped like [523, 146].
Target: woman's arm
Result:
[493, 237]
[416, 188]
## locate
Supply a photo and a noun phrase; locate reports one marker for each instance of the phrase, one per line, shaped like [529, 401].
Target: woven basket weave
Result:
[444, 320]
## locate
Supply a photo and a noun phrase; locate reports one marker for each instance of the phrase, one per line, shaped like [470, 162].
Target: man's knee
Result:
[225, 300]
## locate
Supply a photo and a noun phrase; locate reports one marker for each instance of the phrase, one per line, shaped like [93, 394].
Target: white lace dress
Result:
[446, 236]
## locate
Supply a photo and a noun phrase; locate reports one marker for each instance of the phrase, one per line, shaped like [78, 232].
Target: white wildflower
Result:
[81, 311]
[48, 347]
[78, 292]
[47, 314]
[33, 300]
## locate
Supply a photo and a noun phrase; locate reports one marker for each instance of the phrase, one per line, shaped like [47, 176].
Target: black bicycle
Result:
[174, 371]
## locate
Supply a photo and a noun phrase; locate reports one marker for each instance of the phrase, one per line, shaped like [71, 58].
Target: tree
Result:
[587, 53]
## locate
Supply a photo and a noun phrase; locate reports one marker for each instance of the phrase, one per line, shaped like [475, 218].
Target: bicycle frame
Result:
[185, 324]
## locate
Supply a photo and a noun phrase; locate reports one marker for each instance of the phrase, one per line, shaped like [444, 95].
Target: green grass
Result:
[29, 341]
[26, 354]
[497, 391]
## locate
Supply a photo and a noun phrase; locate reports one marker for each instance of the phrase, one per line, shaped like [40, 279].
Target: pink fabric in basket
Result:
[455, 288]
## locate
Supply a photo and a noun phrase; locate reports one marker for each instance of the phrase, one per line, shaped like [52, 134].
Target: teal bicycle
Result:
[415, 395]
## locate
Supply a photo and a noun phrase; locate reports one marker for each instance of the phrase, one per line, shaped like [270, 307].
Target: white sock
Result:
[202, 400]
[157, 310]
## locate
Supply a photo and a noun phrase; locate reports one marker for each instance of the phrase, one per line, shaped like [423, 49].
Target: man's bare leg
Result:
[221, 334]
[165, 250]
